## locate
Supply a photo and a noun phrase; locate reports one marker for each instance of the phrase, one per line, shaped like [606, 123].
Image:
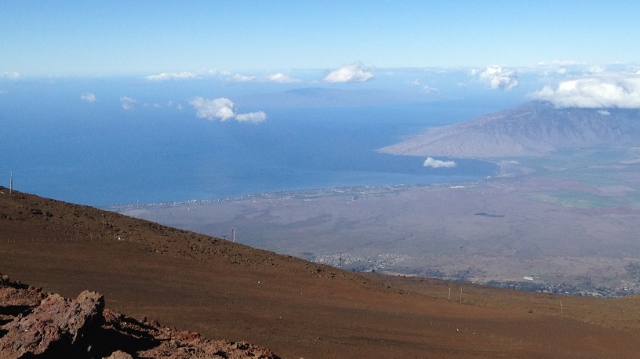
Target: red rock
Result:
[56, 325]
[118, 354]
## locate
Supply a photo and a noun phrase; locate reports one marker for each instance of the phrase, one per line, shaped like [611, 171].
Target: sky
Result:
[104, 38]
[571, 53]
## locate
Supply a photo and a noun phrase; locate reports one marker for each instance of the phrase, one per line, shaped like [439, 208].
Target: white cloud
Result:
[604, 112]
[254, 117]
[598, 91]
[223, 109]
[89, 97]
[172, 76]
[500, 78]
[281, 78]
[169, 103]
[128, 103]
[10, 75]
[430, 162]
[277, 78]
[242, 78]
[426, 88]
[217, 109]
[350, 73]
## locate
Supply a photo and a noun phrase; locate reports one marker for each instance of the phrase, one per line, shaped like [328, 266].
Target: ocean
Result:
[99, 154]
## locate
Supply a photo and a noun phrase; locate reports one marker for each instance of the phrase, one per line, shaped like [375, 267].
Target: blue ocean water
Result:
[100, 155]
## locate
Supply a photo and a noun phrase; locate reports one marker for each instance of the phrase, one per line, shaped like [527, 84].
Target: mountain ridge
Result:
[530, 129]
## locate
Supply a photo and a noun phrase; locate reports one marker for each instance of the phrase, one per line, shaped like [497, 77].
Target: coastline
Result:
[344, 190]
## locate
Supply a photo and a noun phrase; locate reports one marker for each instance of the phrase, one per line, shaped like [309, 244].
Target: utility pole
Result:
[10, 181]
[233, 235]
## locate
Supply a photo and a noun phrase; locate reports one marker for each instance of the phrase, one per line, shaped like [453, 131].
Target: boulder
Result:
[55, 326]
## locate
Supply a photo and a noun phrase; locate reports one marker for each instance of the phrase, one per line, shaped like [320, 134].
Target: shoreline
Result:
[299, 194]
[319, 191]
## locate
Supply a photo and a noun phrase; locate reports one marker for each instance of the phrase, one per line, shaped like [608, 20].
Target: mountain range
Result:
[533, 128]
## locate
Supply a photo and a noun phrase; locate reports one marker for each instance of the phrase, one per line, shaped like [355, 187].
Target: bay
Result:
[103, 155]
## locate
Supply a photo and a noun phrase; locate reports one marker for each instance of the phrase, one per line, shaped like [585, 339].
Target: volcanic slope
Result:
[295, 308]
[533, 128]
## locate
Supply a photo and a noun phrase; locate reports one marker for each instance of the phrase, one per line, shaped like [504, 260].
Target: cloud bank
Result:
[172, 76]
[223, 109]
[350, 73]
[430, 162]
[128, 103]
[498, 77]
[597, 91]
[89, 97]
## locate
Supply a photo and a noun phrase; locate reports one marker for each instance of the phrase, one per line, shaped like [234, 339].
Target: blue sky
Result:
[229, 53]
[79, 38]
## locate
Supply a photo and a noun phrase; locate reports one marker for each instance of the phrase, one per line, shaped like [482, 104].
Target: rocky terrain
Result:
[44, 325]
[296, 308]
[533, 128]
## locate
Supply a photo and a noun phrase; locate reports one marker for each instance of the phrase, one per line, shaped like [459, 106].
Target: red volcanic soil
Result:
[295, 308]
[47, 325]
